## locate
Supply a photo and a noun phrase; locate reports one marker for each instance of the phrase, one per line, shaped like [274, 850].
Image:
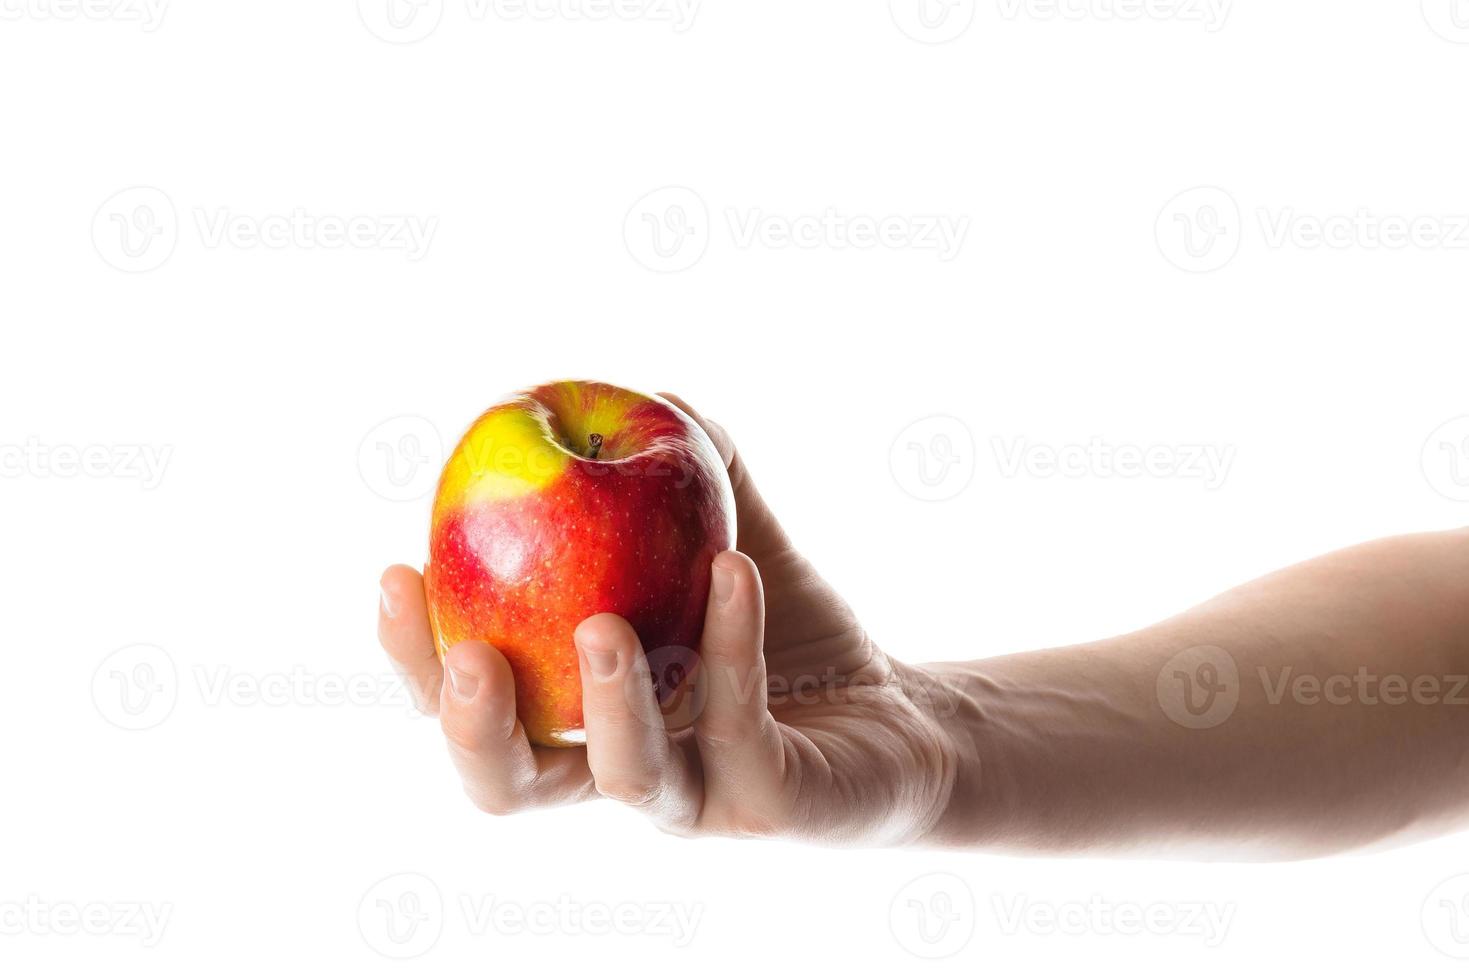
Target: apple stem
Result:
[594, 445]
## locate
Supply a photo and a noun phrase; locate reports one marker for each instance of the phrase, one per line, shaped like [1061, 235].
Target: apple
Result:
[568, 500]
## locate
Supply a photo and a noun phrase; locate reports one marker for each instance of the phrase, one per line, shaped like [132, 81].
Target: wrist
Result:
[951, 721]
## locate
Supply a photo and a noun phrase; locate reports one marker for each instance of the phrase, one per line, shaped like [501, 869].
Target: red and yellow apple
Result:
[565, 501]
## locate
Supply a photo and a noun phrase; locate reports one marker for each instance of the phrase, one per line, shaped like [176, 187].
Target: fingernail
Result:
[601, 661]
[463, 685]
[390, 605]
[724, 584]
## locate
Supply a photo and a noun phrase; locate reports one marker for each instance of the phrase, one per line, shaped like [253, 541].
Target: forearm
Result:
[1320, 708]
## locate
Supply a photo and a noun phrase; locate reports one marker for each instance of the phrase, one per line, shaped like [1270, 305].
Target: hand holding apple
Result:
[804, 728]
[568, 500]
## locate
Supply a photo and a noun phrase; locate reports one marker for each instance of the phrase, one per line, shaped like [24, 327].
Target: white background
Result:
[260, 813]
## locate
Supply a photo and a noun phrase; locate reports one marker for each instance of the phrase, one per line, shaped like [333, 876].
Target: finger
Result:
[403, 631]
[802, 607]
[739, 742]
[486, 740]
[630, 754]
[760, 534]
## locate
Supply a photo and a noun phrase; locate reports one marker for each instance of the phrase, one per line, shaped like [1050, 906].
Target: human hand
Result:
[804, 729]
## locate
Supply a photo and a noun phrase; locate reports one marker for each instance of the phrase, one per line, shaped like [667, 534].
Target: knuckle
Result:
[635, 791]
[493, 805]
[684, 831]
[464, 735]
[718, 731]
[742, 822]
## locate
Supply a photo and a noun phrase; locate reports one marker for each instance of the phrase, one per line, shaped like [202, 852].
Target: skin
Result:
[806, 730]
[529, 537]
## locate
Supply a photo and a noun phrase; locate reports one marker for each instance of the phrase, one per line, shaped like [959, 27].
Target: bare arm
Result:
[1320, 708]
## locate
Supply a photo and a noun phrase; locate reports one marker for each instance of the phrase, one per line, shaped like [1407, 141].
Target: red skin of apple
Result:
[632, 533]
